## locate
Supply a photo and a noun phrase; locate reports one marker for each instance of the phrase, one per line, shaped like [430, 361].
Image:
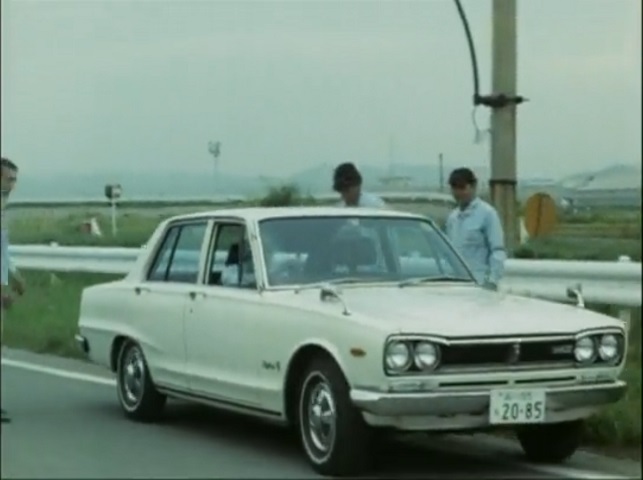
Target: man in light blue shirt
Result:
[9, 275]
[474, 229]
[347, 181]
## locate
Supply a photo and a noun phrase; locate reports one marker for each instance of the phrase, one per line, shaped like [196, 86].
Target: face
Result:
[463, 193]
[351, 195]
[9, 178]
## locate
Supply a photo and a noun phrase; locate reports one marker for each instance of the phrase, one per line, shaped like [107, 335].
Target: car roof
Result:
[262, 213]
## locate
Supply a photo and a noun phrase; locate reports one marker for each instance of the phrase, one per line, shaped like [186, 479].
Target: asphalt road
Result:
[66, 424]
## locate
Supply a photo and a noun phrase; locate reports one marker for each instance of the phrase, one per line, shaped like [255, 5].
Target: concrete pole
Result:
[502, 186]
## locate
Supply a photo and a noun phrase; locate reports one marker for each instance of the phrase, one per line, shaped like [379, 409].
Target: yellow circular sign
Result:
[541, 216]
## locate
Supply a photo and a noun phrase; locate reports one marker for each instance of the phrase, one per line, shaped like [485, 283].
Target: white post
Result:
[625, 313]
[113, 210]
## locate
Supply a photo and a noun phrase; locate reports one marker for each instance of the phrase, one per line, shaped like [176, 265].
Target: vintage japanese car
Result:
[343, 323]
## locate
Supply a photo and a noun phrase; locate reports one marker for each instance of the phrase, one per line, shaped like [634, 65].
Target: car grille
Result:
[512, 353]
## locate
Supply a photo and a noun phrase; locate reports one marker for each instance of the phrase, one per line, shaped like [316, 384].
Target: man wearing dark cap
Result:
[347, 181]
[475, 230]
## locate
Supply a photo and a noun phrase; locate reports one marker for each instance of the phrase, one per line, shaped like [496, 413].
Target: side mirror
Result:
[576, 293]
[332, 293]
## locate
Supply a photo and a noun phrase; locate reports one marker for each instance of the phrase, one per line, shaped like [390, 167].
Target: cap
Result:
[346, 176]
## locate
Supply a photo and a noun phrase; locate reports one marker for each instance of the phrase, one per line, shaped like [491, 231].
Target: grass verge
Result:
[135, 227]
[45, 321]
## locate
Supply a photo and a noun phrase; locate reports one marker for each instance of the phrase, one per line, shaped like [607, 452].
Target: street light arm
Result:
[492, 101]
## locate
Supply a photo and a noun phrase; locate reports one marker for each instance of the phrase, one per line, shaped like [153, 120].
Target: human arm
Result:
[18, 283]
[15, 279]
[495, 240]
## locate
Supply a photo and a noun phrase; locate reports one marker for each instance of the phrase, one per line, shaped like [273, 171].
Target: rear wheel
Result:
[551, 443]
[137, 394]
[332, 431]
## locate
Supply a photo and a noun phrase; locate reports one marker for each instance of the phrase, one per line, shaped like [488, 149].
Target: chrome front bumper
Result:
[477, 402]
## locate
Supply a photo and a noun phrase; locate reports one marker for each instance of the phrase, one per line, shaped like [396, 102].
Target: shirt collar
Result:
[473, 204]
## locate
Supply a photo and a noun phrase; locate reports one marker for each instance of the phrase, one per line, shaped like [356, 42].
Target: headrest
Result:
[354, 251]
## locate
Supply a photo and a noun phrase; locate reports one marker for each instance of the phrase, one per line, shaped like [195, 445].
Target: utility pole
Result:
[214, 148]
[441, 166]
[502, 185]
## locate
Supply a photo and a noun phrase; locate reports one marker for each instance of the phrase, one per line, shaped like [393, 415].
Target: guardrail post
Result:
[625, 313]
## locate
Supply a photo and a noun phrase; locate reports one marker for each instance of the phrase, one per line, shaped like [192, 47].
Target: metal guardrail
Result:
[611, 283]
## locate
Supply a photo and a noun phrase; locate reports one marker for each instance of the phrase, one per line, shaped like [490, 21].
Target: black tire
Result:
[143, 403]
[347, 451]
[551, 443]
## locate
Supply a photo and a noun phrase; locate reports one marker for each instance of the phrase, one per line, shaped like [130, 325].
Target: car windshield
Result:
[310, 250]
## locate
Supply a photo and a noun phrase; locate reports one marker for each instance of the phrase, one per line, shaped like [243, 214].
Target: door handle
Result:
[192, 295]
[139, 290]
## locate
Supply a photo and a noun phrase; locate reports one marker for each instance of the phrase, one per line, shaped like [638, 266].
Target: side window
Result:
[162, 261]
[231, 264]
[229, 236]
[184, 267]
[179, 256]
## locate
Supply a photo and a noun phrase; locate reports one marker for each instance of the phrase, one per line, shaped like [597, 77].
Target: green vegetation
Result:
[45, 320]
[589, 236]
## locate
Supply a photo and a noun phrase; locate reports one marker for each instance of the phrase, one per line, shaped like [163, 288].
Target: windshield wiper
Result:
[435, 278]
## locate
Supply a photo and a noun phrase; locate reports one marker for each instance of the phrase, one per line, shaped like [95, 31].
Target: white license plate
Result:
[516, 406]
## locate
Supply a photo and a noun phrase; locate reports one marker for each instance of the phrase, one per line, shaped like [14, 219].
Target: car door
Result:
[163, 297]
[223, 324]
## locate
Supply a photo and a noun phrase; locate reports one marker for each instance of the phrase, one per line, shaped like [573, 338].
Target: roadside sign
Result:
[113, 192]
[541, 216]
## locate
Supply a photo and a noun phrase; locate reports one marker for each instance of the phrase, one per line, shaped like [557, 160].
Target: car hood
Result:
[457, 311]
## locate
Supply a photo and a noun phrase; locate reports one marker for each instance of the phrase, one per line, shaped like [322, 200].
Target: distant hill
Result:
[612, 177]
[314, 180]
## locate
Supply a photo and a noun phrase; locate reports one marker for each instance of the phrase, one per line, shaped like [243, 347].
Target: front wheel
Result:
[551, 443]
[137, 394]
[332, 431]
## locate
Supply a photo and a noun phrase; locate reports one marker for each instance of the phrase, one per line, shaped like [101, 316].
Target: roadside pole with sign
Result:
[113, 192]
[541, 215]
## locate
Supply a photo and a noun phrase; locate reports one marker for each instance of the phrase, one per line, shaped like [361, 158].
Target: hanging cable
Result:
[492, 101]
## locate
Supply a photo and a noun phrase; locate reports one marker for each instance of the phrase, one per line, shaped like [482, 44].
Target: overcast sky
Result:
[287, 85]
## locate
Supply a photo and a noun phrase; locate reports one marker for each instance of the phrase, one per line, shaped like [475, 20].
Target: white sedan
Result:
[339, 322]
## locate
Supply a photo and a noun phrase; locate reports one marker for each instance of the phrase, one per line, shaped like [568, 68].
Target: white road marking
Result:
[558, 471]
[490, 445]
[58, 372]
[570, 472]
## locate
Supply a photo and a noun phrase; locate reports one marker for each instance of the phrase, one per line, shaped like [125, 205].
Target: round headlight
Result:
[398, 356]
[585, 350]
[608, 348]
[426, 355]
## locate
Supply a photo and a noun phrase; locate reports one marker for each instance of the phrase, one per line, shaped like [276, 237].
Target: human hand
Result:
[7, 300]
[19, 286]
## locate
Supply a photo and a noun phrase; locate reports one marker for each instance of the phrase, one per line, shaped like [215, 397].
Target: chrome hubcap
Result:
[133, 375]
[321, 417]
